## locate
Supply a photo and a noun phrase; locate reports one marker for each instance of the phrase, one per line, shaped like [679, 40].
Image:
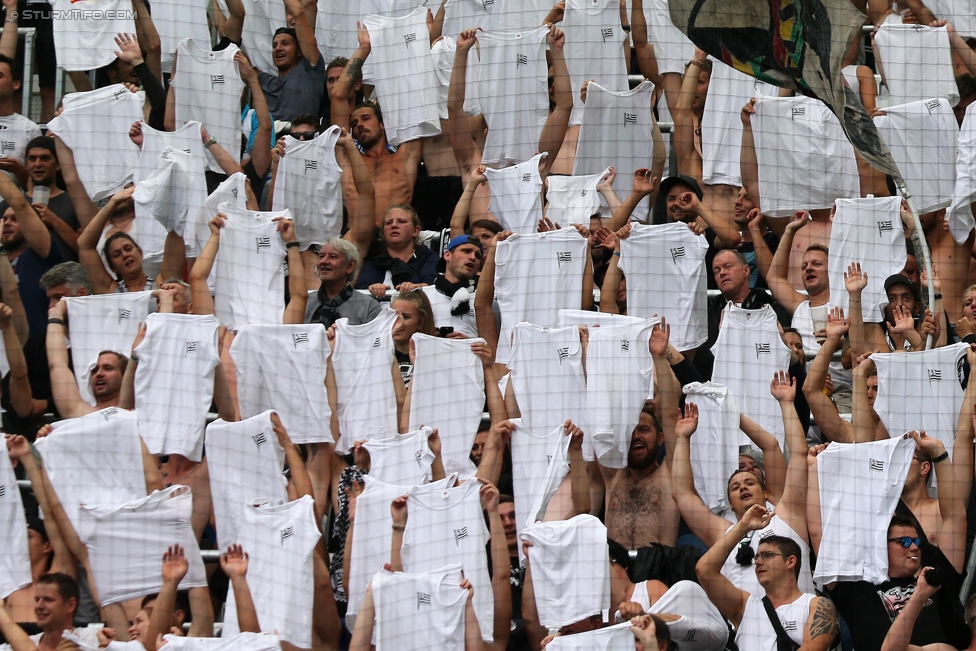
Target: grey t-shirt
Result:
[296, 93]
[359, 308]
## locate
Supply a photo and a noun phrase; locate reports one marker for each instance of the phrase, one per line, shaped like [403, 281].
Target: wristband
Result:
[132, 357]
[212, 141]
[401, 527]
[937, 297]
[616, 254]
[55, 321]
[941, 457]
[288, 245]
[3, 250]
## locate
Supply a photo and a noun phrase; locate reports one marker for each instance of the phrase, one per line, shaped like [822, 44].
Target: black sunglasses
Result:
[303, 135]
[907, 541]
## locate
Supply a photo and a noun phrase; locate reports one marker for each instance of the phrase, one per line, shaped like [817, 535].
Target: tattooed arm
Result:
[345, 86]
[822, 626]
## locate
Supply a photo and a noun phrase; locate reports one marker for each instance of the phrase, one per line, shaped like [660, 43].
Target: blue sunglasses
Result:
[907, 541]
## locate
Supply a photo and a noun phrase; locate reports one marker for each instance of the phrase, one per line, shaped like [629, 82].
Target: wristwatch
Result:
[212, 141]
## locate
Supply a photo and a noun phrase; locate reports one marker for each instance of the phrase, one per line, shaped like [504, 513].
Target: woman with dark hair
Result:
[122, 255]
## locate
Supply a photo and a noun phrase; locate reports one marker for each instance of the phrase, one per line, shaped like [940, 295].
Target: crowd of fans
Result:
[395, 311]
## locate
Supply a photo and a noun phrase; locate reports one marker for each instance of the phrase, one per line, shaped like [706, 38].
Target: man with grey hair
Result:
[335, 298]
[174, 296]
[65, 279]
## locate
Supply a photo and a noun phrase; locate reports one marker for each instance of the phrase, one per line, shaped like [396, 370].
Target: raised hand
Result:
[575, 434]
[837, 325]
[644, 182]
[135, 133]
[175, 565]
[687, 425]
[904, 321]
[466, 39]
[660, 336]
[783, 387]
[398, 509]
[234, 562]
[606, 182]
[757, 517]
[489, 495]
[854, 279]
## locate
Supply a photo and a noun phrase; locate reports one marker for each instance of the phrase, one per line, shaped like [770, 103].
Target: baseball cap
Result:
[661, 204]
[899, 279]
[465, 239]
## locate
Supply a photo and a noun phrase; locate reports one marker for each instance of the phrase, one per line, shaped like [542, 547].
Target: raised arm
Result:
[824, 410]
[297, 283]
[203, 302]
[773, 459]
[645, 183]
[20, 389]
[16, 637]
[952, 504]
[703, 523]
[776, 280]
[792, 507]
[304, 30]
[234, 564]
[64, 387]
[234, 25]
[729, 600]
[148, 36]
[689, 161]
[814, 522]
[764, 257]
[899, 636]
[261, 150]
[646, 60]
[345, 86]
[296, 465]
[501, 586]
[667, 387]
[102, 282]
[11, 296]
[35, 232]
[462, 209]
[485, 297]
[748, 163]
[554, 131]
[85, 208]
[466, 149]
[363, 220]
[175, 567]
[8, 39]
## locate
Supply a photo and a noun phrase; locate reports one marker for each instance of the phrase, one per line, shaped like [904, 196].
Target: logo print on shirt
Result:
[423, 599]
[762, 349]
[287, 533]
[677, 252]
[108, 413]
[262, 243]
[376, 343]
[486, 3]
[216, 80]
[690, 635]
[234, 192]
[799, 111]
[607, 33]
[564, 257]
[191, 347]
[418, 455]
[583, 192]
[630, 118]
[187, 151]
[311, 165]
[625, 345]
[932, 105]
[124, 314]
[526, 177]
[259, 439]
[7, 145]
[459, 535]
[119, 94]
[3, 490]
[548, 459]
[408, 39]
[562, 353]
[935, 375]
[876, 465]
[299, 338]
[521, 60]
[884, 227]
[789, 626]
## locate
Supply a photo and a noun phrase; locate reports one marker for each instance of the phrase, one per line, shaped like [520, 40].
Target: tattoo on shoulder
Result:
[824, 620]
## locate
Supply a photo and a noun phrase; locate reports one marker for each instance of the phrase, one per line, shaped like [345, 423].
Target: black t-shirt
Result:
[870, 609]
[406, 367]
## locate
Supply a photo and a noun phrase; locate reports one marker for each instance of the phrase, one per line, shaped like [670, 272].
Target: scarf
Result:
[459, 292]
[400, 271]
[327, 312]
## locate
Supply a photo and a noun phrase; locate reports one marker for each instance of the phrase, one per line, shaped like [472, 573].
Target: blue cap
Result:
[465, 239]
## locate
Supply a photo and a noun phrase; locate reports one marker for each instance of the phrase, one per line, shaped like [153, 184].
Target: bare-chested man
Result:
[394, 171]
[640, 511]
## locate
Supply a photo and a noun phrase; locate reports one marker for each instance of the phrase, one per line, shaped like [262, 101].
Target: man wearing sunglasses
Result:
[909, 610]
[809, 621]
